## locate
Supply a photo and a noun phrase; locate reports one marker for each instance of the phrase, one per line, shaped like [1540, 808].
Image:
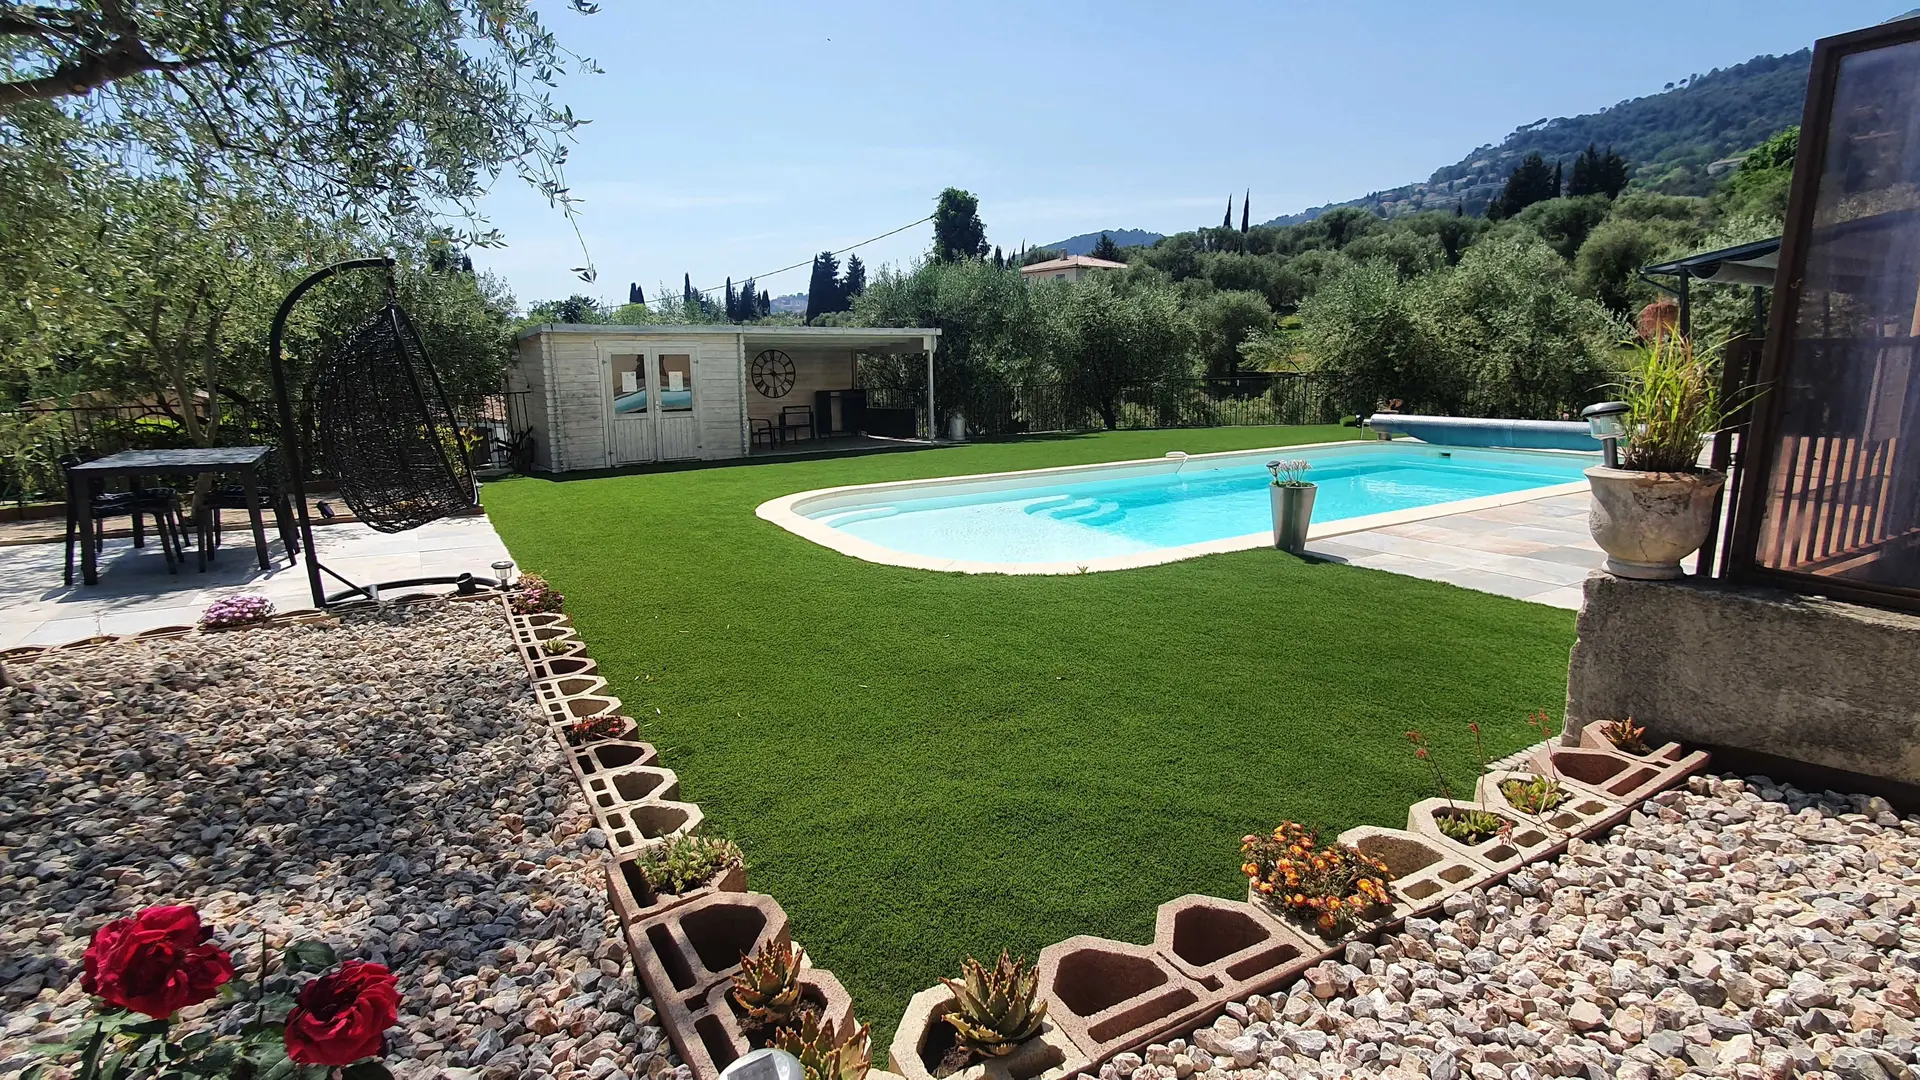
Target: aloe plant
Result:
[767, 987]
[997, 1008]
[822, 1056]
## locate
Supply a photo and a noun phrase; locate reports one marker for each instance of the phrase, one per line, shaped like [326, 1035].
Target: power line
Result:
[756, 278]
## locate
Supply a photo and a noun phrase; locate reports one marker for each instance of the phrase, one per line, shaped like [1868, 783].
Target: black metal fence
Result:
[1028, 407]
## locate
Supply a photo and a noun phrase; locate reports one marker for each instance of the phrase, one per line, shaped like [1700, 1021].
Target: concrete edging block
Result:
[1423, 873]
[1581, 813]
[572, 710]
[718, 1038]
[635, 901]
[1109, 995]
[1232, 949]
[1624, 778]
[612, 788]
[632, 826]
[683, 953]
[1526, 842]
[1049, 1055]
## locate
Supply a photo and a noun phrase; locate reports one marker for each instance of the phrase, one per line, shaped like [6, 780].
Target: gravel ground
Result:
[385, 784]
[1735, 928]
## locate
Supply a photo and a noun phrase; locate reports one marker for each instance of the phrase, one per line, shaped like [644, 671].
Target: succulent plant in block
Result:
[997, 1008]
[687, 861]
[1534, 795]
[1470, 826]
[767, 989]
[1331, 884]
[824, 1057]
[1625, 735]
[533, 596]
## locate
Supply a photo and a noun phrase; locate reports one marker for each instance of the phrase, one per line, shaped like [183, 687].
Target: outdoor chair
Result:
[162, 503]
[761, 429]
[795, 418]
[269, 497]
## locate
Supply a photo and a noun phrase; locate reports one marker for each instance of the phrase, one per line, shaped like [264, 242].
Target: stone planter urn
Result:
[1647, 522]
[1292, 513]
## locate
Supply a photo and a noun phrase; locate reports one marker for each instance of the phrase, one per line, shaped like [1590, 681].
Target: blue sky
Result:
[732, 139]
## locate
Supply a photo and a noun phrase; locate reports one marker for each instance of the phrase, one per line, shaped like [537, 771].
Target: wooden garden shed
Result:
[600, 397]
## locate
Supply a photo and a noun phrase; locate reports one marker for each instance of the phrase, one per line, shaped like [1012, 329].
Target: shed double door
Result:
[652, 407]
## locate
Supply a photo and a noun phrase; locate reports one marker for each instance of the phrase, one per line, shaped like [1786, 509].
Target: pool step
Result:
[1086, 511]
[848, 517]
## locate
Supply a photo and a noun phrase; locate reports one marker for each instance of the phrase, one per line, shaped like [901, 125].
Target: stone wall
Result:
[1703, 662]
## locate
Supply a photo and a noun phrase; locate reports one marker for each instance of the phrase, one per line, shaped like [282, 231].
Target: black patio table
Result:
[131, 464]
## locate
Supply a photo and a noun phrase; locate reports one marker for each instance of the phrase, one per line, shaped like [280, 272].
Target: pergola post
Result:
[933, 421]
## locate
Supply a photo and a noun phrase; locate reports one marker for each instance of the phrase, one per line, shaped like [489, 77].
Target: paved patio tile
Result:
[137, 593]
[1487, 581]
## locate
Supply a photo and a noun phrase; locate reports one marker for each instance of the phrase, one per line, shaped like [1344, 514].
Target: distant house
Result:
[1071, 268]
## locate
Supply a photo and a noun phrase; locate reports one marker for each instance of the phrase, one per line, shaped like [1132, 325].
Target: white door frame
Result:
[632, 431]
[676, 435]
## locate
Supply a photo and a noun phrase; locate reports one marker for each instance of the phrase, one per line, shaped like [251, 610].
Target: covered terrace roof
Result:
[1743, 264]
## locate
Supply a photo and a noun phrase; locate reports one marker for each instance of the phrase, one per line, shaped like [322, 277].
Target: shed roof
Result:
[875, 339]
[1070, 261]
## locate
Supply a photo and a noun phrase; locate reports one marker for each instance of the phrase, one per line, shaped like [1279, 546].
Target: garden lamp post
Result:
[1607, 422]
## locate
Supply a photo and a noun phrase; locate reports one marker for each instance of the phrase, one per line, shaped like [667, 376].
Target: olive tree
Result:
[371, 107]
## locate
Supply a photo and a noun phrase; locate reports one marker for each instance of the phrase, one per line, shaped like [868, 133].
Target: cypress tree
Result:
[1612, 174]
[687, 295]
[1556, 181]
[733, 303]
[1530, 182]
[823, 289]
[1227, 221]
[1245, 201]
[633, 293]
[749, 301]
[852, 283]
[766, 303]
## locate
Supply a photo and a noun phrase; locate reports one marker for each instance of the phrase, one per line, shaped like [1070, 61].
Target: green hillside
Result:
[1672, 139]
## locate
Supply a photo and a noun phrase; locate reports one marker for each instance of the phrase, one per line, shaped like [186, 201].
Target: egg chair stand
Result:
[383, 429]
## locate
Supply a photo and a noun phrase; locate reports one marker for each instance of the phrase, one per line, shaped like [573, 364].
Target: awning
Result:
[1743, 264]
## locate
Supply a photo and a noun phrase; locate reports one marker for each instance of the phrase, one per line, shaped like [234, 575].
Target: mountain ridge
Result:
[1673, 140]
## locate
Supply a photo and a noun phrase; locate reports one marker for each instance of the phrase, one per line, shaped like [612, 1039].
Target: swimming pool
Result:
[1138, 513]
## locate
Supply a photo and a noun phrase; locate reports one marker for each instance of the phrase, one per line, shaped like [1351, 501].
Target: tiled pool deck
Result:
[1538, 550]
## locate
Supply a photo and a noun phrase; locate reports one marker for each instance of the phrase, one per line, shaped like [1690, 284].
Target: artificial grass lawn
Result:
[922, 766]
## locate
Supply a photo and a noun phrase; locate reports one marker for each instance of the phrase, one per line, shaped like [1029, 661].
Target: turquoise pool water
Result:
[1100, 513]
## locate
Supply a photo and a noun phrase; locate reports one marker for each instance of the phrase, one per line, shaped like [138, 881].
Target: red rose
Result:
[342, 1017]
[156, 963]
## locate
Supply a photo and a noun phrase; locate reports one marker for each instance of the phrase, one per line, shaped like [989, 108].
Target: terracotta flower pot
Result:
[1647, 522]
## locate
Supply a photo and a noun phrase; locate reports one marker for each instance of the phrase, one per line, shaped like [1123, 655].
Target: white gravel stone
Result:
[1735, 928]
[386, 784]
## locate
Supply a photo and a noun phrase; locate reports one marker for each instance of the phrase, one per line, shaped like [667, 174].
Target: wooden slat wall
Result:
[1828, 502]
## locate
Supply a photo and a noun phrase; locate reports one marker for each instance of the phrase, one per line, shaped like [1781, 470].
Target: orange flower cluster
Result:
[1331, 885]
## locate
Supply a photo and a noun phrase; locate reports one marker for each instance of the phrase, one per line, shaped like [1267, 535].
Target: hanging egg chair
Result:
[386, 432]
[382, 428]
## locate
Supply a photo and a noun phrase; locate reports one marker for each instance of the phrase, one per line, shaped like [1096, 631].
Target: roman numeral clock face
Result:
[772, 373]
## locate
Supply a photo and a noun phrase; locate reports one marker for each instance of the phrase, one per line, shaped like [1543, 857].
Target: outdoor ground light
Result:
[1607, 421]
[767, 1064]
[503, 572]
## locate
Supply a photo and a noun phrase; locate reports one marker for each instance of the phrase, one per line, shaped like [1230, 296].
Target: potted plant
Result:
[1654, 508]
[1292, 497]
